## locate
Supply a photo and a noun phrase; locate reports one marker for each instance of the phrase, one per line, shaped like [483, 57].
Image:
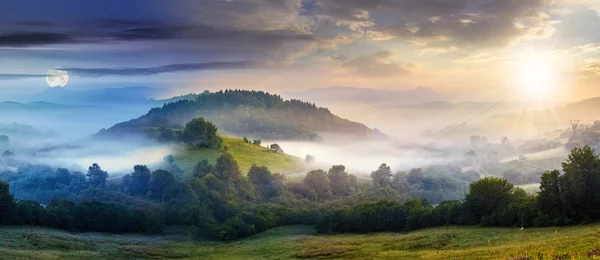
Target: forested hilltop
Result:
[241, 112]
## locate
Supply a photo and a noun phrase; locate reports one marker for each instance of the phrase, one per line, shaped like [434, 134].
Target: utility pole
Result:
[574, 125]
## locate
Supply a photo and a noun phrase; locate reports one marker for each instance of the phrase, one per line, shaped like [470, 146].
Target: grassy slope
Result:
[301, 242]
[245, 155]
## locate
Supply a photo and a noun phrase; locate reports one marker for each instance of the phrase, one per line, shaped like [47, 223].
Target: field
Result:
[245, 155]
[300, 242]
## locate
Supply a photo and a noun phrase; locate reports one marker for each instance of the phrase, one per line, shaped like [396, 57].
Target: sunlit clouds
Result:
[466, 47]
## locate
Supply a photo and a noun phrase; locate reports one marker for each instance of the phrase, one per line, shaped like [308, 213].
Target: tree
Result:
[7, 203]
[276, 148]
[169, 159]
[200, 133]
[226, 168]
[264, 181]
[309, 159]
[245, 139]
[415, 176]
[162, 185]
[471, 157]
[319, 182]
[96, 176]
[352, 182]
[338, 178]
[8, 153]
[488, 194]
[382, 177]
[580, 184]
[549, 199]
[257, 142]
[203, 168]
[140, 180]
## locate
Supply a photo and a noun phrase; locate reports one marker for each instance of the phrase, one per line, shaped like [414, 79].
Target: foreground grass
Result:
[245, 155]
[298, 242]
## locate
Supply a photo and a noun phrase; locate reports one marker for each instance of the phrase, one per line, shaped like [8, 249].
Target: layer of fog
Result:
[117, 158]
[363, 157]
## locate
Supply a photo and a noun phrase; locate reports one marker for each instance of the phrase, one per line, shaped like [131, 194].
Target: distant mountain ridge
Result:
[338, 94]
[124, 95]
[240, 112]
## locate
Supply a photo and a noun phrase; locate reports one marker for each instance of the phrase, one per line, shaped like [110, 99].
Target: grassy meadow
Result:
[300, 242]
[245, 155]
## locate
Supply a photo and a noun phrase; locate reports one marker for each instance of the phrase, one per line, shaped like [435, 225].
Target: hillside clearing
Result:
[245, 154]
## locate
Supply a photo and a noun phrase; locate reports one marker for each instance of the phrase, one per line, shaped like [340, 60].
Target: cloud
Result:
[378, 64]
[20, 76]
[591, 69]
[590, 47]
[99, 72]
[20, 39]
[443, 23]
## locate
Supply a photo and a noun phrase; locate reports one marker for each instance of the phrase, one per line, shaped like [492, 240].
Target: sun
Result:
[535, 76]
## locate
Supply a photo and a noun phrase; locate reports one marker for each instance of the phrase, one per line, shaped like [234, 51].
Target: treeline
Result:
[572, 197]
[91, 215]
[218, 201]
[240, 112]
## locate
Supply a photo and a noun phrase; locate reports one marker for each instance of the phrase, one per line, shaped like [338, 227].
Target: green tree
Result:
[7, 203]
[140, 180]
[382, 177]
[257, 142]
[580, 184]
[264, 181]
[549, 199]
[162, 185]
[203, 168]
[309, 159]
[488, 194]
[200, 133]
[318, 181]
[276, 148]
[338, 178]
[96, 176]
[226, 168]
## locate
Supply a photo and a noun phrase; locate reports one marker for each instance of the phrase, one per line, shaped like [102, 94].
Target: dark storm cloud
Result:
[99, 72]
[20, 39]
[463, 23]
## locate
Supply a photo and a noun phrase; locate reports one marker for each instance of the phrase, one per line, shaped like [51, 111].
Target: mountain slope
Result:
[253, 113]
[325, 96]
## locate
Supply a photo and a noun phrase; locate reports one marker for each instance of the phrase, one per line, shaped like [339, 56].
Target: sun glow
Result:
[535, 76]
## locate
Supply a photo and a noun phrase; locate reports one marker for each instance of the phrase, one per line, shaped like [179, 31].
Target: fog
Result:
[365, 156]
[116, 157]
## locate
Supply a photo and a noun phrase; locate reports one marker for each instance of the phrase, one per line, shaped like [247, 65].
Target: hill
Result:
[245, 155]
[300, 242]
[253, 113]
[326, 96]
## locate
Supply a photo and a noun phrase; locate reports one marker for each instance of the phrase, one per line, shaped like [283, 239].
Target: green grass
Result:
[300, 242]
[245, 155]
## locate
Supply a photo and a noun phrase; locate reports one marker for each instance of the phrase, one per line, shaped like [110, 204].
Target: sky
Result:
[476, 49]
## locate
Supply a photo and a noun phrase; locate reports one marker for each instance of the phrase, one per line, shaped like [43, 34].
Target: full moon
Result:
[56, 78]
